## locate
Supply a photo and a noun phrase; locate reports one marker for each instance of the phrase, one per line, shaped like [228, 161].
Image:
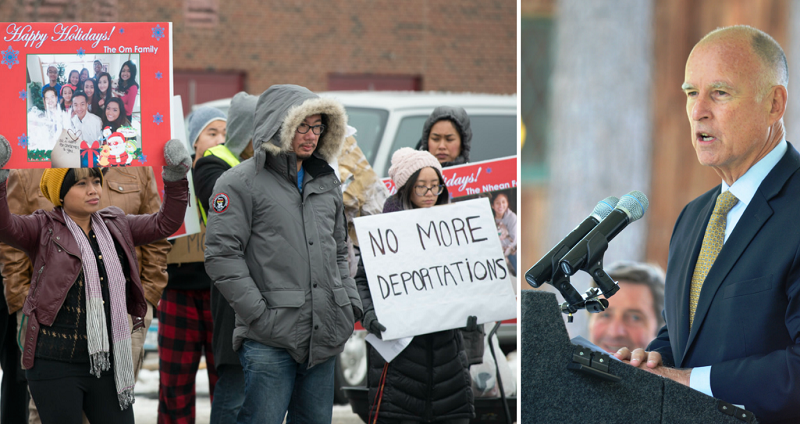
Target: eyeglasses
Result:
[422, 190]
[316, 129]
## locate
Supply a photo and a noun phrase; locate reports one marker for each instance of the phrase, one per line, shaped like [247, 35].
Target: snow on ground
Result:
[146, 407]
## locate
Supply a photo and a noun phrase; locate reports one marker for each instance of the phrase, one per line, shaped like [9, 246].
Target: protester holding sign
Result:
[429, 380]
[447, 135]
[131, 189]
[87, 281]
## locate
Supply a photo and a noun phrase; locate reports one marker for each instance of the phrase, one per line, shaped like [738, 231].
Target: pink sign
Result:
[476, 178]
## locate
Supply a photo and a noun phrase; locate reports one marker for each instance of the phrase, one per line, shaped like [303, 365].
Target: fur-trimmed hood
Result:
[282, 108]
[458, 116]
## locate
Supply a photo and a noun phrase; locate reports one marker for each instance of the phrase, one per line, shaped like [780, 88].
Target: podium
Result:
[562, 382]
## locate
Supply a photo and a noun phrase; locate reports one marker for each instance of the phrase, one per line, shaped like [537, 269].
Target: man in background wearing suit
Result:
[732, 296]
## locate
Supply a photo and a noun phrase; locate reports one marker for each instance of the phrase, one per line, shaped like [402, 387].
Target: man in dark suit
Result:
[732, 304]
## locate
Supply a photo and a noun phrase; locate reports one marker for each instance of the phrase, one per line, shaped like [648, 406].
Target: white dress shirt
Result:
[90, 127]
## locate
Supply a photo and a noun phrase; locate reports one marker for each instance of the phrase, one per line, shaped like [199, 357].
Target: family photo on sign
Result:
[82, 118]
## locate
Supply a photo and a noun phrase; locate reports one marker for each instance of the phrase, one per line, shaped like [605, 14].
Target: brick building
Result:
[223, 46]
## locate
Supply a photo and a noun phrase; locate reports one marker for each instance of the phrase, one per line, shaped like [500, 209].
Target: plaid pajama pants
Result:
[184, 334]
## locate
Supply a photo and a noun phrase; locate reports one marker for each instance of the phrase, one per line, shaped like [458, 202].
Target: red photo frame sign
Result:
[46, 127]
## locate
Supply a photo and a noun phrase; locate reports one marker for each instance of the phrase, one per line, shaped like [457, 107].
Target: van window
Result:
[493, 136]
[370, 124]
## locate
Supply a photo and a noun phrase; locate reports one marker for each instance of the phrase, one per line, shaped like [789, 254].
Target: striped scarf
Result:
[96, 332]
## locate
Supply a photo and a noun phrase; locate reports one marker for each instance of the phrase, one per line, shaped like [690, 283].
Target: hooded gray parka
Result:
[277, 255]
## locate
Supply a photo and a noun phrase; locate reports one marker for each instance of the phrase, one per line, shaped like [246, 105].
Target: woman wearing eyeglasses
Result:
[429, 381]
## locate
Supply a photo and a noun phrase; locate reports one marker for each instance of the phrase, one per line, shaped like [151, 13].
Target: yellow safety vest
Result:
[225, 154]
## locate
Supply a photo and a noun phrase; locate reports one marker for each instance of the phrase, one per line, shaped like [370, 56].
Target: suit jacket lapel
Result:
[754, 217]
[683, 310]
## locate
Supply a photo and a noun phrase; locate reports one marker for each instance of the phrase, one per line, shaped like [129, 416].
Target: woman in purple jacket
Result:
[77, 346]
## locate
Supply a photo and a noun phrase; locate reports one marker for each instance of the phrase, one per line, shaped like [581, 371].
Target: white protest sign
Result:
[191, 222]
[429, 269]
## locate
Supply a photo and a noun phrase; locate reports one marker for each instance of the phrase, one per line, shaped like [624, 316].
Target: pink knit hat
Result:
[407, 161]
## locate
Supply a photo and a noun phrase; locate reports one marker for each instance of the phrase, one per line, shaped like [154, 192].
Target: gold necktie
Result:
[712, 244]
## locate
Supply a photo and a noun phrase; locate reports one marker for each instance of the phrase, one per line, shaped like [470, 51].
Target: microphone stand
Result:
[591, 300]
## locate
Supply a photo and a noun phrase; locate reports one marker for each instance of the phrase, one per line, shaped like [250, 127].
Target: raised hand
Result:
[178, 161]
[5, 155]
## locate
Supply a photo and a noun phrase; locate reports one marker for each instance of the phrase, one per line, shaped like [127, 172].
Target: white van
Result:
[389, 120]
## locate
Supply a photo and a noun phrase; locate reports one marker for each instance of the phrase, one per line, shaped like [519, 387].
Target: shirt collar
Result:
[745, 187]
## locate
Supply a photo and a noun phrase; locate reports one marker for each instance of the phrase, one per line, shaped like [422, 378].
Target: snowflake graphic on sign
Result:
[158, 118]
[22, 141]
[23, 95]
[122, 30]
[9, 57]
[488, 170]
[158, 75]
[142, 158]
[158, 32]
[81, 52]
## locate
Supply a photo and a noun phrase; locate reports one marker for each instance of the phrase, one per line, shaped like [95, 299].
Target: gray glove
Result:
[371, 324]
[178, 161]
[5, 155]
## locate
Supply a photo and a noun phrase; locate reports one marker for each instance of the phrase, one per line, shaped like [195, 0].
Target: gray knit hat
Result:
[241, 122]
[199, 120]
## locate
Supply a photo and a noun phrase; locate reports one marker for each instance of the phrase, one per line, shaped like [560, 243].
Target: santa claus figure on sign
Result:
[118, 155]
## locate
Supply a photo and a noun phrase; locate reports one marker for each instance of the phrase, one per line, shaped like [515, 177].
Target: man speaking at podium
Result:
[732, 295]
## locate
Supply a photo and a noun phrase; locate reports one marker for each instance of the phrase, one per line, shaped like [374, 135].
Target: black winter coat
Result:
[428, 381]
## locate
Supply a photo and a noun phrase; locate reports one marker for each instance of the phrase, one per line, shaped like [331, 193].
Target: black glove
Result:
[177, 159]
[472, 323]
[5, 155]
[371, 323]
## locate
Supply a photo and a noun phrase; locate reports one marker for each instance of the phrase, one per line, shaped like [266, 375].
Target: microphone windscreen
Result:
[634, 204]
[604, 207]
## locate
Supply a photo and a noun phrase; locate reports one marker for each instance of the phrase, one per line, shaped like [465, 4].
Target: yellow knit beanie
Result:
[51, 184]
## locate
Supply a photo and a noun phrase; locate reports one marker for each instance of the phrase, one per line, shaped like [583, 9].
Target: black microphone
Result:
[631, 207]
[543, 270]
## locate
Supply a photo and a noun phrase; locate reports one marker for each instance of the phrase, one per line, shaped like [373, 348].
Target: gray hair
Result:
[768, 51]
